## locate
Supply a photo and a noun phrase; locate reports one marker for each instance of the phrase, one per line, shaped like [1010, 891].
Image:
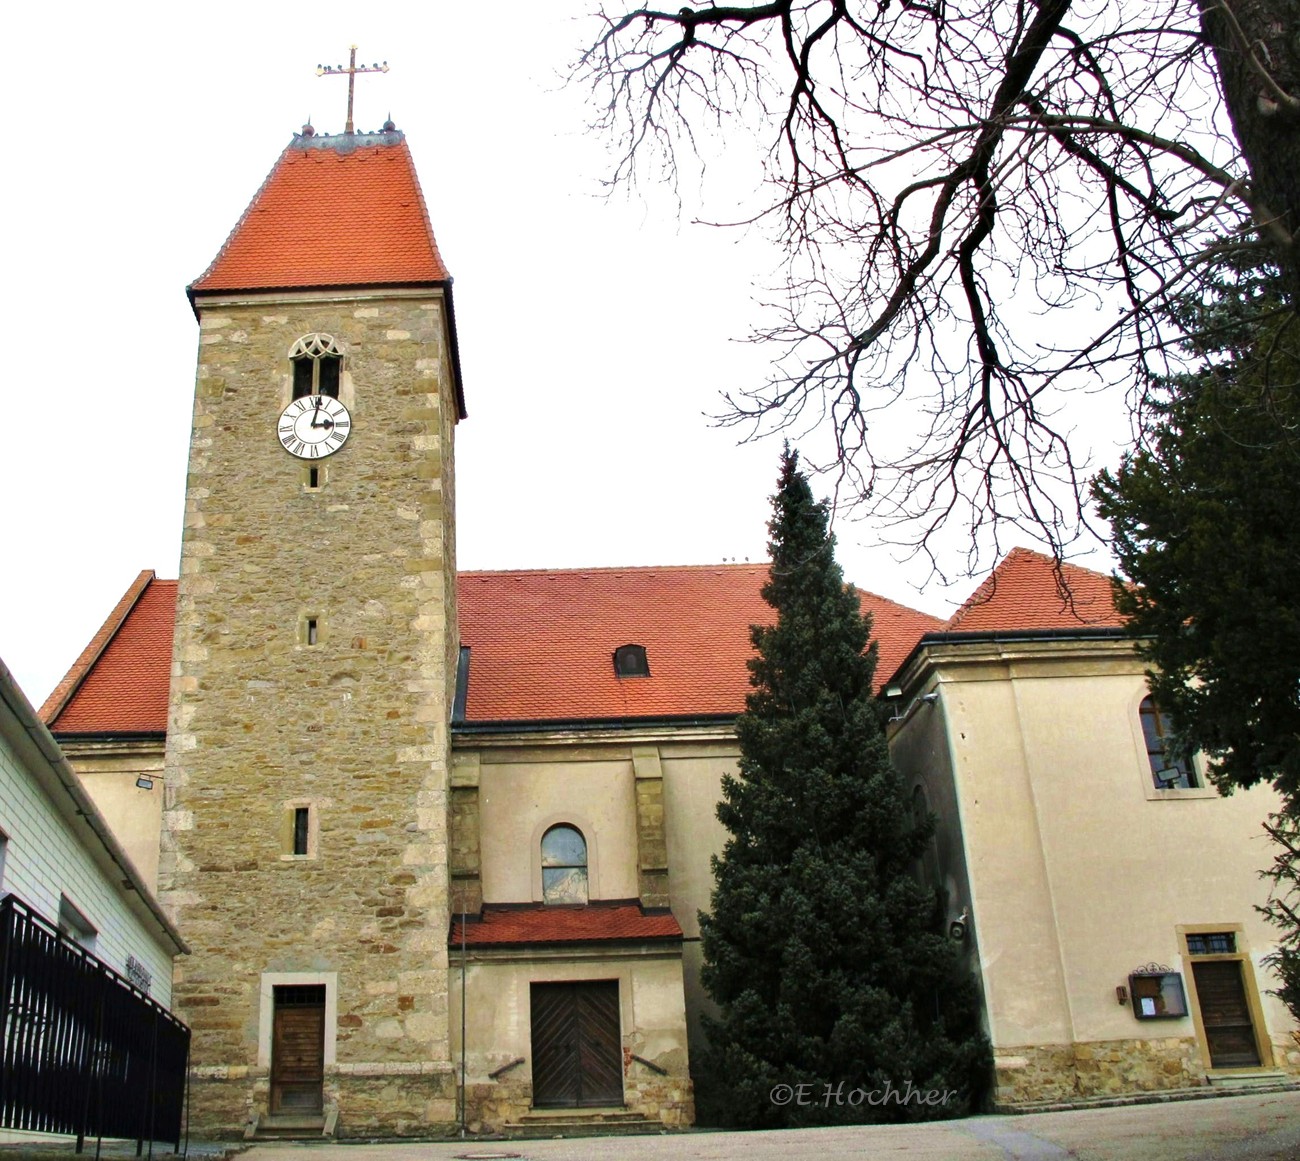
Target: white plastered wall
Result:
[45, 860]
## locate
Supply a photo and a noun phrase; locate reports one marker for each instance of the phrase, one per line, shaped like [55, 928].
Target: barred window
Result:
[1212, 943]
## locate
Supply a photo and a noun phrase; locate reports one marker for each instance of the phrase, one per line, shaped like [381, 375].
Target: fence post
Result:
[88, 1069]
[151, 1093]
[186, 1098]
[7, 935]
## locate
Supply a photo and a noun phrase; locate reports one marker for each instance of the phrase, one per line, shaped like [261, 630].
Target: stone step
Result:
[572, 1123]
[285, 1127]
[1252, 1079]
[612, 1113]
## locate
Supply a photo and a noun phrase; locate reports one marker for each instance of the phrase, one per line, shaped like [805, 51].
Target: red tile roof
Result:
[542, 641]
[334, 211]
[511, 925]
[120, 682]
[1026, 591]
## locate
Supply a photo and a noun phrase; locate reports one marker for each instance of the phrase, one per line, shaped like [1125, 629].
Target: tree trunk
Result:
[1253, 41]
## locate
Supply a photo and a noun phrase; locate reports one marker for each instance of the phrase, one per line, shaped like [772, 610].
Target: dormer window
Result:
[631, 661]
[317, 366]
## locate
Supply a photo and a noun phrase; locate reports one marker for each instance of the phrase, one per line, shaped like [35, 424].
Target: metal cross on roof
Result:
[352, 69]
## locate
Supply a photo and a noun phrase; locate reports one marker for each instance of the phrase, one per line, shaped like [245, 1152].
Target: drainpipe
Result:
[463, 1128]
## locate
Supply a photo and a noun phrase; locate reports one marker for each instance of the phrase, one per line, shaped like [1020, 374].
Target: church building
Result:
[437, 841]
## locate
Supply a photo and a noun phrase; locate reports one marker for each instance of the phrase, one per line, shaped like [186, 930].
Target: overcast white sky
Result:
[595, 335]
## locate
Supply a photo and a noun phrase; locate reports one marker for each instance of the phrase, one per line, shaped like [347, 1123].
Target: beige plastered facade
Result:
[1074, 870]
[644, 800]
[111, 771]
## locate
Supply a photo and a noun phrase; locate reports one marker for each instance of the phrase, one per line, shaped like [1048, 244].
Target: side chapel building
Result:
[410, 821]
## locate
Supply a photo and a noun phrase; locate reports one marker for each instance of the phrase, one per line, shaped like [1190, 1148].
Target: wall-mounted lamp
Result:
[959, 928]
[1121, 995]
[144, 782]
[902, 714]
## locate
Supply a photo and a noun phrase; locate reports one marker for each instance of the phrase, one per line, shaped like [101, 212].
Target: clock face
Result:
[314, 426]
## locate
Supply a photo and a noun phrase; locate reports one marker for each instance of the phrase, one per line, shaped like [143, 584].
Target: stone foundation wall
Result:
[1286, 1053]
[394, 1105]
[378, 1101]
[1058, 1072]
[667, 1099]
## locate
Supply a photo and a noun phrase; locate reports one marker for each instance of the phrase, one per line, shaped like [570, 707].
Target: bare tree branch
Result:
[981, 210]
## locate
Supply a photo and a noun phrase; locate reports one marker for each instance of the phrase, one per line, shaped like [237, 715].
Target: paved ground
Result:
[1237, 1128]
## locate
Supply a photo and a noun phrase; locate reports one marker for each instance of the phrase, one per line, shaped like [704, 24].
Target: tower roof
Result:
[335, 211]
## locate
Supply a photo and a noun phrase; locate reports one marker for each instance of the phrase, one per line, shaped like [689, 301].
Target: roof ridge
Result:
[62, 694]
[473, 572]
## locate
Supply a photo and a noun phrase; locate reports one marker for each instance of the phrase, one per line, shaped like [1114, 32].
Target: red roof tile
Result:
[541, 647]
[335, 211]
[90, 654]
[511, 925]
[542, 642]
[1026, 591]
[120, 683]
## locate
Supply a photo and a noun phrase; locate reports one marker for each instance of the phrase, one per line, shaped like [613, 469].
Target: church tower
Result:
[304, 846]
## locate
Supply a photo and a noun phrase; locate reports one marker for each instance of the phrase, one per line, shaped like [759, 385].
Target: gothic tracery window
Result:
[317, 365]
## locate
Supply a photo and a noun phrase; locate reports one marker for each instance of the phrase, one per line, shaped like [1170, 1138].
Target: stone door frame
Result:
[1263, 1045]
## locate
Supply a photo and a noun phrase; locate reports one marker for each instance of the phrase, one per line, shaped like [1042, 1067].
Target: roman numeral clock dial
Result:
[314, 427]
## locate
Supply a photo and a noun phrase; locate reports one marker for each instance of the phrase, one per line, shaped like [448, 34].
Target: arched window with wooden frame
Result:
[564, 865]
[1168, 772]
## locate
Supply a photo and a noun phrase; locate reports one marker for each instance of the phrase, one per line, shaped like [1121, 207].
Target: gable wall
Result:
[45, 858]
[1081, 871]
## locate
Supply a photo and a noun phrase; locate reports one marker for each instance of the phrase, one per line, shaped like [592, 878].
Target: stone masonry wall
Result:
[651, 842]
[354, 727]
[1061, 1072]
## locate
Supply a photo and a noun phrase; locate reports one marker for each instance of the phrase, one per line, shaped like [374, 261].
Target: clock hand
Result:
[315, 415]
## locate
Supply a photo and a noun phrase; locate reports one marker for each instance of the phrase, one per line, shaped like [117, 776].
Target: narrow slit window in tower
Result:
[301, 817]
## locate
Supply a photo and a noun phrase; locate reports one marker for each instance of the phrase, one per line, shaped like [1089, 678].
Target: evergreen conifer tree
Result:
[1204, 520]
[823, 952]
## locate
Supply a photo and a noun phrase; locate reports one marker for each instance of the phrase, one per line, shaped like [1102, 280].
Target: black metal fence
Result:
[85, 1052]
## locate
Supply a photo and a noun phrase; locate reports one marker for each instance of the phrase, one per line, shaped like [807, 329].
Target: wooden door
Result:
[1225, 1014]
[298, 1050]
[577, 1059]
